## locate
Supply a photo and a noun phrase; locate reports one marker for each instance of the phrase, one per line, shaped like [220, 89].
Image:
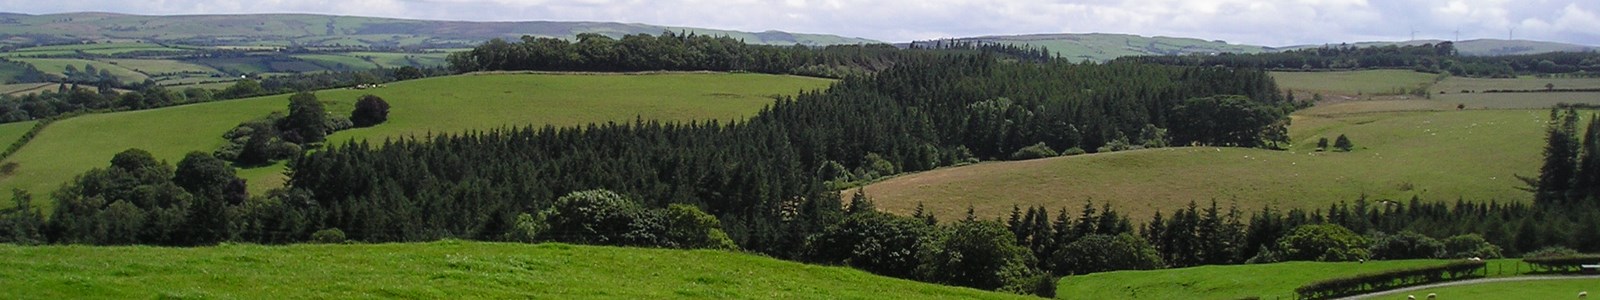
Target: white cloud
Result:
[1265, 22]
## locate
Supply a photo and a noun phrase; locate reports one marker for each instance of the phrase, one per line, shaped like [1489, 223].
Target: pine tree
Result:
[1560, 151]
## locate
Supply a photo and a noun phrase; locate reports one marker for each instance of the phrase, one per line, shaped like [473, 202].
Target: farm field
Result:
[18, 89]
[1266, 281]
[1404, 148]
[58, 66]
[1353, 83]
[434, 105]
[1527, 289]
[11, 132]
[444, 269]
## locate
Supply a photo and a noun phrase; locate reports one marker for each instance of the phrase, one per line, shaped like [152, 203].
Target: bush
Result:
[370, 110]
[1343, 143]
[1039, 150]
[1100, 253]
[599, 217]
[526, 228]
[1406, 245]
[328, 236]
[975, 254]
[688, 227]
[1322, 144]
[1073, 151]
[1469, 246]
[1323, 242]
[876, 242]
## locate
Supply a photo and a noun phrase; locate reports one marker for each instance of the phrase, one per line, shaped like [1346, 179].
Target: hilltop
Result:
[307, 30]
[445, 269]
[1481, 47]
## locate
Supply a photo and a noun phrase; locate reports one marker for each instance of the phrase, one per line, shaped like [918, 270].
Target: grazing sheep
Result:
[1431, 296]
[1583, 295]
[1411, 297]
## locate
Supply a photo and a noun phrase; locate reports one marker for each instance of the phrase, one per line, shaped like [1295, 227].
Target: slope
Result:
[420, 107]
[323, 30]
[445, 269]
[1266, 281]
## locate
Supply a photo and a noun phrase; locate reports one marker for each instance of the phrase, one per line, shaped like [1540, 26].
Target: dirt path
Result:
[1467, 282]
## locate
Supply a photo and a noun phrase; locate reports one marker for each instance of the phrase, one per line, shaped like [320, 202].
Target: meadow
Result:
[440, 105]
[1266, 281]
[1353, 83]
[444, 269]
[1404, 148]
[58, 66]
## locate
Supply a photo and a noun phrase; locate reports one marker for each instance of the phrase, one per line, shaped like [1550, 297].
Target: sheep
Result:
[1583, 295]
[1411, 297]
[1431, 296]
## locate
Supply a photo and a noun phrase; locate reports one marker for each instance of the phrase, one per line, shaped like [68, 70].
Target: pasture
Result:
[1353, 83]
[437, 105]
[1521, 289]
[1266, 281]
[445, 269]
[58, 66]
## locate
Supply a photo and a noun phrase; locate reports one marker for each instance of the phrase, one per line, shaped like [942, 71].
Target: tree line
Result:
[1430, 58]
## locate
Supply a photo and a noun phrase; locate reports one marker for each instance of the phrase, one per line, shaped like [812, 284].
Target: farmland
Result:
[434, 105]
[1404, 148]
[444, 269]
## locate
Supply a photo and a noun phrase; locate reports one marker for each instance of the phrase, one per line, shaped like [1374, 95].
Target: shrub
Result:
[1343, 143]
[1470, 245]
[1322, 144]
[1323, 242]
[1406, 245]
[876, 242]
[1100, 253]
[526, 228]
[1373, 282]
[1039, 150]
[1073, 151]
[976, 254]
[688, 227]
[370, 110]
[328, 236]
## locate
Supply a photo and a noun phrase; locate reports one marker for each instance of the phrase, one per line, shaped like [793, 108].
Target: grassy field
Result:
[11, 132]
[1353, 83]
[1268, 281]
[337, 62]
[1405, 148]
[436, 270]
[161, 66]
[58, 66]
[434, 105]
[18, 89]
[1534, 289]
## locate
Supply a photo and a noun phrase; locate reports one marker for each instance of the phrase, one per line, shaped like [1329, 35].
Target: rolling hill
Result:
[1404, 148]
[1107, 46]
[444, 269]
[438, 105]
[282, 30]
[1483, 47]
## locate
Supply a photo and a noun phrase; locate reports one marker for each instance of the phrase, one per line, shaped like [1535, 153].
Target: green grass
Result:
[11, 132]
[436, 270]
[1533, 289]
[395, 60]
[337, 62]
[435, 105]
[58, 66]
[1353, 83]
[161, 66]
[18, 89]
[1437, 156]
[1267, 281]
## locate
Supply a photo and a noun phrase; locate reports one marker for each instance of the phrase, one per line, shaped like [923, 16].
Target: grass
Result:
[1536, 289]
[1353, 83]
[58, 66]
[445, 269]
[1405, 148]
[19, 89]
[435, 105]
[161, 66]
[337, 62]
[1267, 281]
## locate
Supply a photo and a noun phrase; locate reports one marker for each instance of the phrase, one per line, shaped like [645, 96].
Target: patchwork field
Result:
[435, 105]
[445, 269]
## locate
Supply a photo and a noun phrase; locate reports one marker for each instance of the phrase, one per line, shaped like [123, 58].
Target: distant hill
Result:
[1105, 46]
[281, 30]
[1484, 47]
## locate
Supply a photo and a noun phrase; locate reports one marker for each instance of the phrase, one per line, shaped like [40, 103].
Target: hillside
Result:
[281, 30]
[1445, 155]
[446, 269]
[438, 105]
[1105, 46]
[1267, 281]
[1483, 47]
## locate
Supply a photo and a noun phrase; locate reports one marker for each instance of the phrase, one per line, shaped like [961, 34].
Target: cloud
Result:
[1264, 22]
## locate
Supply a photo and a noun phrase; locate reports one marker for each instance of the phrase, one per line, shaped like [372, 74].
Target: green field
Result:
[1405, 148]
[11, 132]
[337, 62]
[1529, 289]
[58, 66]
[18, 89]
[395, 60]
[436, 270]
[435, 105]
[1353, 83]
[1267, 281]
[161, 66]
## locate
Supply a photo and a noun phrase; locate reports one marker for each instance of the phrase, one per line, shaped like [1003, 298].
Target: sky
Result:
[1256, 22]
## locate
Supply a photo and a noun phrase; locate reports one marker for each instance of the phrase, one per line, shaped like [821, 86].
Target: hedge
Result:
[1386, 280]
[1572, 263]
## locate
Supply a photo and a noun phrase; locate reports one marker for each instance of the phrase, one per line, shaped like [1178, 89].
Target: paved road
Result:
[1467, 282]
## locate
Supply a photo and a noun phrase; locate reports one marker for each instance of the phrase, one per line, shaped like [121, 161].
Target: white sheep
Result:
[1583, 295]
[1431, 296]
[1411, 297]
